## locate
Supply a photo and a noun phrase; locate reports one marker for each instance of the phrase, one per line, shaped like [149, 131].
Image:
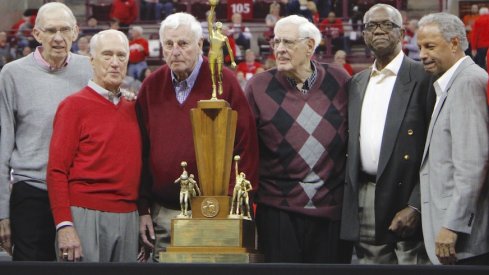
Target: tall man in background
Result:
[30, 90]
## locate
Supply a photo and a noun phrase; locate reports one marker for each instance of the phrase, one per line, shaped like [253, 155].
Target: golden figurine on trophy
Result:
[188, 190]
[216, 56]
[240, 203]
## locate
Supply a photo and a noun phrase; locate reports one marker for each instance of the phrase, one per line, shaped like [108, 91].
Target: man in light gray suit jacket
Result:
[454, 185]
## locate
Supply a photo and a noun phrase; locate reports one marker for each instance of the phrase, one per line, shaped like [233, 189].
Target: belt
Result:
[365, 177]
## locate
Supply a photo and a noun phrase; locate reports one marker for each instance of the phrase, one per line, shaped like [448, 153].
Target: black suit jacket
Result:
[401, 151]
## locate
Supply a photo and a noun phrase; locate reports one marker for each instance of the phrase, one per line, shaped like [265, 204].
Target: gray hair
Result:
[95, 40]
[483, 11]
[49, 7]
[450, 26]
[178, 19]
[397, 18]
[306, 28]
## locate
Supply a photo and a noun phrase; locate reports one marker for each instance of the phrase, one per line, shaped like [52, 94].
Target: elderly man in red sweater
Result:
[163, 106]
[94, 164]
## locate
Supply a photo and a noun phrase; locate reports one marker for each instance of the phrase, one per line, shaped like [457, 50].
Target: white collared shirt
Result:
[374, 112]
[103, 92]
[441, 83]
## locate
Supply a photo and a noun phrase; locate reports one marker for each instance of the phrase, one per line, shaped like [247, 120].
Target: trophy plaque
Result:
[214, 233]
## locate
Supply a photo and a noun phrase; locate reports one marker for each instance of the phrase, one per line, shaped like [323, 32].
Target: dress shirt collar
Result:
[114, 98]
[190, 81]
[309, 81]
[442, 82]
[43, 63]
[391, 69]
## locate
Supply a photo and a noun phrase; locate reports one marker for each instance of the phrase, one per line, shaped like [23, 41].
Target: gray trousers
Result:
[107, 237]
[402, 252]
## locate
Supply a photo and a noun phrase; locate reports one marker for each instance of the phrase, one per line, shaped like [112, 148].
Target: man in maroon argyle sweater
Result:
[301, 116]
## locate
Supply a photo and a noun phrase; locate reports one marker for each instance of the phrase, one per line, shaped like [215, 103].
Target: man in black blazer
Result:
[388, 115]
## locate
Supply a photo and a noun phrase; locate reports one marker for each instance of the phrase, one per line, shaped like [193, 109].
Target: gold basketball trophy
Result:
[215, 233]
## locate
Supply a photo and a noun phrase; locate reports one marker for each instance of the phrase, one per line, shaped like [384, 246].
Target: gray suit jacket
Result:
[453, 176]
[400, 155]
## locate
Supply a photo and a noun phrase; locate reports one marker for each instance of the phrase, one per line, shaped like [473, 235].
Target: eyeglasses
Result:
[182, 44]
[386, 26]
[64, 31]
[288, 43]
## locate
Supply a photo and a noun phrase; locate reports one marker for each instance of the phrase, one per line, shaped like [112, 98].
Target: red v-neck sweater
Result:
[167, 133]
[95, 156]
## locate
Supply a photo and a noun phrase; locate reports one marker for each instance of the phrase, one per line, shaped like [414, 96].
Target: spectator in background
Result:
[24, 33]
[83, 45]
[114, 24]
[156, 9]
[410, 43]
[304, 10]
[311, 5]
[332, 30]
[139, 50]
[7, 53]
[247, 68]
[480, 37]
[26, 51]
[241, 34]
[340, 59]
[92, 27]
[125, 11]
[469, 20]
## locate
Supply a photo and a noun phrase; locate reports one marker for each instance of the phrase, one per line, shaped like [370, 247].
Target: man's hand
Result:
[405, 222]
[69, 244]
[5, 241]
[445, 246]
[146, 230]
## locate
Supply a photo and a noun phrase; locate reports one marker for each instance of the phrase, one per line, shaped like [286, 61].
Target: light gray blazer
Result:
[454, 183]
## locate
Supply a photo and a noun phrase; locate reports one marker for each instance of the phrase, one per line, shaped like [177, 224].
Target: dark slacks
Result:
[476, 260]
[32, 224]
[295, 238]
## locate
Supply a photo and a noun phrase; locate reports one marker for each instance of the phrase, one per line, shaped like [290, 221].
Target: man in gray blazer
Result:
[453, 175]
[388, 115]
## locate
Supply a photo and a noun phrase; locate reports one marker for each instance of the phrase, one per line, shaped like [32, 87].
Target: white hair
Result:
[306, 28]
[483, 11]
[49, 7]
[178, 19]
[95, 39]
[397, 17]
[450, 26]
[138, 29]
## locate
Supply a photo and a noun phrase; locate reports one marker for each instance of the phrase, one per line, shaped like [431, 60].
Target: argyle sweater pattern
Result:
[302, 141]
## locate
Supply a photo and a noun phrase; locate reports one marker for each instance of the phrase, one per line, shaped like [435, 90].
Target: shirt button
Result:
[410, 132]
[406, 157]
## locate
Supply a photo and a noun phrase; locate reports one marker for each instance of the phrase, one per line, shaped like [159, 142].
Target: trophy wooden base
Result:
[188, 257]
[203, 240]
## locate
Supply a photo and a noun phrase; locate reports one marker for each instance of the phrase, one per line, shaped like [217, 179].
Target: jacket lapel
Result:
[357, 92]
[401, 94]
[466, 63]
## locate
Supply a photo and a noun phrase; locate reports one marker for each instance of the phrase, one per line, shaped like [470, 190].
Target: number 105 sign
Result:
[245, 7]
